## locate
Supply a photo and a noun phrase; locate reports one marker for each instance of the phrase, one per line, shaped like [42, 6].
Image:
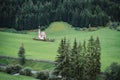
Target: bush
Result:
[12, 69]
[43, 75]
[77, 28]
[2, 69]
[54, 77]
[118, 28]
[11, 30]
[113, 72]
[22, 32]
[26, 71]
[92, 28]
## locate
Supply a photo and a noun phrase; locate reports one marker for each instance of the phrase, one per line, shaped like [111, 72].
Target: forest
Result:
[29, 14]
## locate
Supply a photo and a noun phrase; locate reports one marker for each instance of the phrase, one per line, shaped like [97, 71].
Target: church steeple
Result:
[39, 31]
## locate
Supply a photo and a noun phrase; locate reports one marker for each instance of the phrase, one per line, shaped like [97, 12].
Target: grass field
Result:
[5, 76]
[110, 43]
[32, 64]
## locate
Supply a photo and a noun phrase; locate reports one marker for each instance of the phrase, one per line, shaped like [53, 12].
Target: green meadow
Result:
[110, 42]
[4, 76]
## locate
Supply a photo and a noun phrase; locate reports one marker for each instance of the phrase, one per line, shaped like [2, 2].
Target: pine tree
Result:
[82, 62]
[98, 49]
[85, 62]
[73, 59]
[91, 59]
[63, 62]
[21, 55]
[77, 61]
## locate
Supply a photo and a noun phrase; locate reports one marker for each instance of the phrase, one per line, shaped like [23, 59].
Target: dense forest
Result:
[28, 14]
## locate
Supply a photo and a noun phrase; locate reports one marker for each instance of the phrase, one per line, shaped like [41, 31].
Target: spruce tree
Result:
[76, 61]
[82, 62]
[21, 55]
[91, 59]
[73, 59]
[97, 55]
[63, 62]
[85, 62]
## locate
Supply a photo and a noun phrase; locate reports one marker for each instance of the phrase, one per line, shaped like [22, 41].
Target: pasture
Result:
[4, 76]
[110, 42]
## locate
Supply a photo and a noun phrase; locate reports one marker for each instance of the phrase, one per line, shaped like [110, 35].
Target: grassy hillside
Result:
[10, 43]
[58, 26]
[4, 76]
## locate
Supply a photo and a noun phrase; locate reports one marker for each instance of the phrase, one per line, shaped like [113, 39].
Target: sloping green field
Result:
[5, 76]
[110, 43]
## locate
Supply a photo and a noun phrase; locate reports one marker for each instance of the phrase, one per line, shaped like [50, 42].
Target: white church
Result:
[41, 34]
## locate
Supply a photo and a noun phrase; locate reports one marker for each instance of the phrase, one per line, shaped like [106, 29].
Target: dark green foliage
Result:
[53, 77]
[11, 30]
[92, 59]
[21, 55]
[2, 69]
[82, 62]
[63, 60]
[97, 55]
[113, 72]
[77, 61]
[12, 69]
[26, 71]
[43, 75]
[28, 14]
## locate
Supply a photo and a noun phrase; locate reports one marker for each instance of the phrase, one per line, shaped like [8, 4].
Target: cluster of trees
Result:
[28, 14]
[82, 62]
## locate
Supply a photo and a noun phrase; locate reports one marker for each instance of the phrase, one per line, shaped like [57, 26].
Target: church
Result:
[41, 34]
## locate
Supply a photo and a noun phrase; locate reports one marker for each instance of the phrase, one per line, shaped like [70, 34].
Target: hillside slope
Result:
[10, 43]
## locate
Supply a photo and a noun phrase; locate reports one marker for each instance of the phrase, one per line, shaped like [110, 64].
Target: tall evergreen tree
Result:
[91, 59]
[82, 62]
[94, 58]
[21, 55]
[77, 61]
[63, 60]
[97, 55]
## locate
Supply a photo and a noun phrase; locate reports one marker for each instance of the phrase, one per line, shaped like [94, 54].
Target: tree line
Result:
[81, 62]
[28, 14]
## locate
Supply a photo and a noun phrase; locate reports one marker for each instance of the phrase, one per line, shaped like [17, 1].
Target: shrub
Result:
[22, 32]
[43, 75]
[77, 28]
[113, 72]
[2, 69]
[118, 28]
[26, 71]
[83, 29]
[12, 69]
[92, 28]
[11, 30]
[53, 77]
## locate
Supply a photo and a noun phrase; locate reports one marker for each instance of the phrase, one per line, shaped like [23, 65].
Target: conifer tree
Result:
[97, 56]
[21, 55]
[73, 59]
[76, 61]
[94, 58]
[82, 62]
[63, 61]
[85, 62]
[91, 59]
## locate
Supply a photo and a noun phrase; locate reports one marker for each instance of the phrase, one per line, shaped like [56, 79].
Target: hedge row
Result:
[27, 71]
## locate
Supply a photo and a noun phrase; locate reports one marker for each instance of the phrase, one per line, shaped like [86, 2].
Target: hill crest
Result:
[58, 26]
